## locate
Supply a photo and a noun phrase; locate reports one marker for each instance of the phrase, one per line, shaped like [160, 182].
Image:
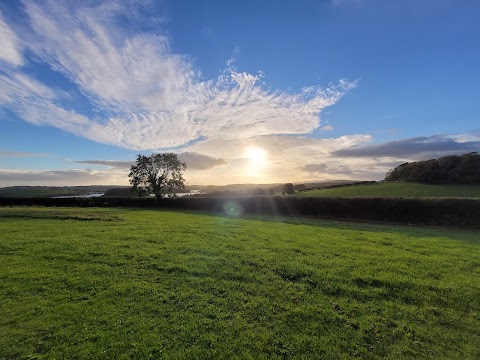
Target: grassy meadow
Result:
[404, 190]
[127, 283]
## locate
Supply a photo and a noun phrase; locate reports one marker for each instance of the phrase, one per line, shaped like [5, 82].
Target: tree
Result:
[454, 169]
[159, 174]
[288, 188]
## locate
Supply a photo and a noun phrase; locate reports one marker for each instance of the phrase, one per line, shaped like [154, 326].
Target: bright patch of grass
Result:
[388, 189]
[117, 283]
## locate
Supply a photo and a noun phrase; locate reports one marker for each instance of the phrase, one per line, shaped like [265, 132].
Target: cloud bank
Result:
[289, 158]
[19, 154]
[417, 147]
[59, 177]
[193, 161]
[325, 169]
[141, 95]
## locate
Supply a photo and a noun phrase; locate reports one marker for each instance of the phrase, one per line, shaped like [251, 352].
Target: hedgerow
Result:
[439, 211]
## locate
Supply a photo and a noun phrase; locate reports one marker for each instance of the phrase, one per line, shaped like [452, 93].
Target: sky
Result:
[269, 91]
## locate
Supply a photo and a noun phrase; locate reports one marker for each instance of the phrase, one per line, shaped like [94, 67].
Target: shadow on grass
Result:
[415, 231]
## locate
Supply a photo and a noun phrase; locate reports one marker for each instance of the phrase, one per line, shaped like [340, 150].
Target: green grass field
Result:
[118, 283]
[387, 189]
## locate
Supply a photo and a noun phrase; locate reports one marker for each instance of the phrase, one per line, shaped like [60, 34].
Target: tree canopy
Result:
[159, 174]
[464, 169]
[288, 188]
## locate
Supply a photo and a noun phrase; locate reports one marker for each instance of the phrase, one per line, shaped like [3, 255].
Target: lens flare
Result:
[232, 208]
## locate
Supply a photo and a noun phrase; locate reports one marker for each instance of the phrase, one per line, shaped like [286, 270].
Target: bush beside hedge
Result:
[441, 212]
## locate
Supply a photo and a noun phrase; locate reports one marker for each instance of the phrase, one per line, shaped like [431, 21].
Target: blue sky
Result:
[243, 91]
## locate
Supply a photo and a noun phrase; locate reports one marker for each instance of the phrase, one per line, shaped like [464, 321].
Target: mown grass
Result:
[391, 189]
[118, 283]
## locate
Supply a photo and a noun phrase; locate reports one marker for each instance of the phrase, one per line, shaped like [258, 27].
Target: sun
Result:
[256, 157]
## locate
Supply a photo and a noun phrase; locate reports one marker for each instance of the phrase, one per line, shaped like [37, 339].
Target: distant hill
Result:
[276, 187]
[50, 191]
[124, 191]
[463, 169]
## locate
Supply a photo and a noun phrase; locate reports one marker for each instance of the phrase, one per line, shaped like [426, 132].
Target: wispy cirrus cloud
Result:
[10, 51]
[142, 94]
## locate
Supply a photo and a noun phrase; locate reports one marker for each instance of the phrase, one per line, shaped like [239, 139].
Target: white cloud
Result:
[327, 128]
[85, 45]
[277, 145]
[148, 97]
[325, 169]
[10, 47]
[196, 161]
[17, 88]
[286, 157]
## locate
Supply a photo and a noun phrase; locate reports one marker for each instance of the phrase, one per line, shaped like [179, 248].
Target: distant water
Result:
[192, 192]
[79, 196]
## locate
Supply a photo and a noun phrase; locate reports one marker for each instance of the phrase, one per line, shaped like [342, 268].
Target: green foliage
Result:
[398, 190]
[116, 283]
[463, 169]
[159, 174]
[120, 191]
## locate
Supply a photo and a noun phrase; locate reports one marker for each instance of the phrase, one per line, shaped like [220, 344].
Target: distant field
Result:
[117, 283]
[398, 190]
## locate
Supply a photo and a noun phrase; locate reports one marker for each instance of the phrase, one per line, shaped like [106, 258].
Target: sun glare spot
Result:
[256, 161]
[256, 157]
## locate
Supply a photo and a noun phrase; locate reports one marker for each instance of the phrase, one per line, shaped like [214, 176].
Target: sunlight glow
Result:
[256, 157]
[257, 160]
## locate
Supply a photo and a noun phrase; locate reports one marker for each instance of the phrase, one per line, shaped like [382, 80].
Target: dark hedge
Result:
[440, 212]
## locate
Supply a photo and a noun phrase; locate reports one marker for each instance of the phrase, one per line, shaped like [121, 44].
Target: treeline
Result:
[441, 212]
[50, 191]
[464, 169]
[244, 192]
[120, 191]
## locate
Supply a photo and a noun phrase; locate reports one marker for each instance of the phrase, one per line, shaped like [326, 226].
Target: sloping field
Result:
[390, 189]
[117, 283]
